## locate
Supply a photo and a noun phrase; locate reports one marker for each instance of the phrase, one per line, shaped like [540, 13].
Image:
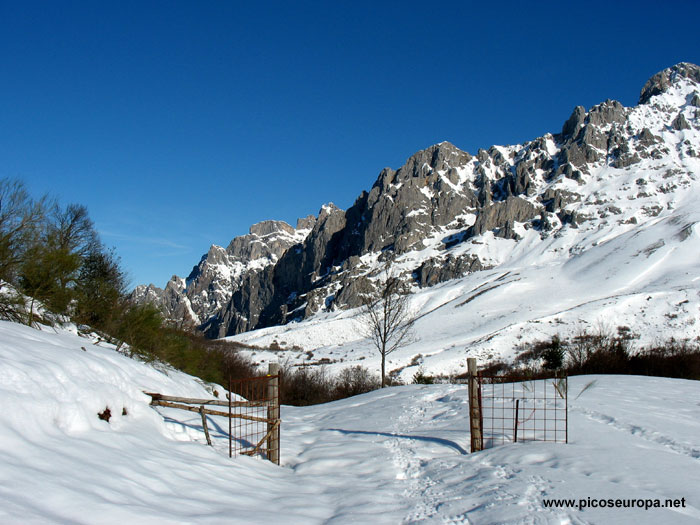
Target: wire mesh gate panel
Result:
[514, 409]
[252, 409]
[254, 422]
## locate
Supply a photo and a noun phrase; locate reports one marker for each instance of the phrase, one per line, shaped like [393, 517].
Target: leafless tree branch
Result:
[387, 318]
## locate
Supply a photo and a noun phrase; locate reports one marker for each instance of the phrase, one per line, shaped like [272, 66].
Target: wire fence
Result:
[252, 409]
[521, 409]
[254, 424]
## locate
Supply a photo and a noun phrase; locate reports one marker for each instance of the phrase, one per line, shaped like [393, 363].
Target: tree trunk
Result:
[31, 312]
[383, 369]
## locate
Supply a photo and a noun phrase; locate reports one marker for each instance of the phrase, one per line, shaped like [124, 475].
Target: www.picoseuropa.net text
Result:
[616, 503]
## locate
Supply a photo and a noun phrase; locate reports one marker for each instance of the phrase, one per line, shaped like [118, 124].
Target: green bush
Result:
[420, 378]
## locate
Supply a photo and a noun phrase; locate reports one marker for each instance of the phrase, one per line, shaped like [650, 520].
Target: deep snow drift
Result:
[399, 455]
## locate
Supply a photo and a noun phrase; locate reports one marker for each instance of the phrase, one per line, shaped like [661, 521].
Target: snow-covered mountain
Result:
[598, 218]
[206, 291]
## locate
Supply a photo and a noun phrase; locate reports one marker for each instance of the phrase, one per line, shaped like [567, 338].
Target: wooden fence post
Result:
[474, 407]
[204, 425]
[273, 413]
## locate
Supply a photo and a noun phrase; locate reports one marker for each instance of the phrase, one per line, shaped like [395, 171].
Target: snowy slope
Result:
[647, 279]
[632, 260]
[592, 224]
[394, 456]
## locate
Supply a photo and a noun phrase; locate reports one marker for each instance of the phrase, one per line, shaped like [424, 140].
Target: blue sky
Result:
[180, 124]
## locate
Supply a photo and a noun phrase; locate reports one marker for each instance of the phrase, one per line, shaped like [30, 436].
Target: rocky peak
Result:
[439, 157]
[220, 272]
[175, 285]
[601, 115]
[326, 211]
[267, 239]
[269, 227]
[306, 223]
[589, 137]
[574, 123]
[609, 112]
[660, 82]
[215, 255]
[171, 301]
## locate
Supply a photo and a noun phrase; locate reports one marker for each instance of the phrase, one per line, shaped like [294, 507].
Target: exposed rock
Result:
[568, 217]
[647, 138]
[350, 295]
[391, 216]
[306, 223]
[579, 154]
[573, 124]
[500, 217]
[171, 301]
[618, 146]
[569, 172]
[210, 285]
[609, 112]
[625, 160]
[660, 82]
[590, 137]
[433, 271]
[555, 199]
[686, 232]
[679, 123]
[485, 192]
[242, 312]
[546, 222]
[266, 239]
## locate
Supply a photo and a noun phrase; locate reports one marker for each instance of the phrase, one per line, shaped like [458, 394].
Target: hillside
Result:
[391, 456]
[629, 259]
[587, 229]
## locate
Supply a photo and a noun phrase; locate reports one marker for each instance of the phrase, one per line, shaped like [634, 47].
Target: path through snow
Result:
[398, 455]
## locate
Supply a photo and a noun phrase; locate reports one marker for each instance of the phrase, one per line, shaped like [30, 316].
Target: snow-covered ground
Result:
[399, 455]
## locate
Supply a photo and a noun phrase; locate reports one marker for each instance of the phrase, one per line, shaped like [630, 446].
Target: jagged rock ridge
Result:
[194, 301]
[439, 216]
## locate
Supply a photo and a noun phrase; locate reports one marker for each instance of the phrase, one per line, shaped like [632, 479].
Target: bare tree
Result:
[20, 216]
[387, 319]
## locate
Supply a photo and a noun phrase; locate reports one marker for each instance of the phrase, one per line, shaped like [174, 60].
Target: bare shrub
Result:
[305, 386]
[311, 385]
[675, 358]
[355, 380]
[607, 352]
